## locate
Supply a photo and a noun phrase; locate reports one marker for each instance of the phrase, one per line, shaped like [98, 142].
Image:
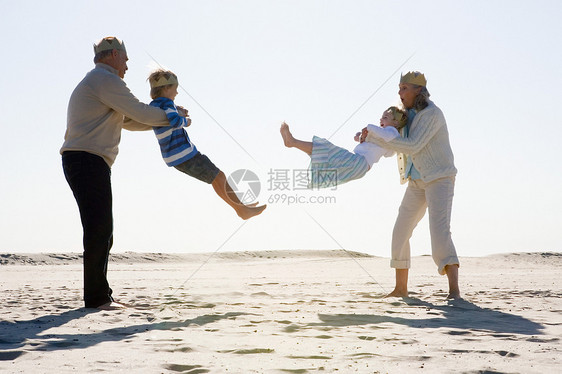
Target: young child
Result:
[331, 165]
[178, 150]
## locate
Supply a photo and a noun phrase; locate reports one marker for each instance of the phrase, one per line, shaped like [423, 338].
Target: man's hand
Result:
[182, 111]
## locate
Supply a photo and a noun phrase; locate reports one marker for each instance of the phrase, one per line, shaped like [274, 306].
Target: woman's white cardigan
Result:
[427, 144]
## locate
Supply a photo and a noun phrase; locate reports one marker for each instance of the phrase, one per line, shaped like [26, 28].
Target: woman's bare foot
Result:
[454, 296]
[398, 293]
[248, 211]
[401, 287]
[288, 138]
[452, 272]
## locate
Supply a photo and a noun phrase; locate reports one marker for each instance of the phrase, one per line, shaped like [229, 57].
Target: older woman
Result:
[426, 162]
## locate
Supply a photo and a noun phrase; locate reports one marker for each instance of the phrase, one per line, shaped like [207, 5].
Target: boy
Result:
[177, 149]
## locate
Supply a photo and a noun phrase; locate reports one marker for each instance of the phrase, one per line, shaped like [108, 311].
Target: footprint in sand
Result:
[291, 328]
[368, 338]
[248, 351]
[186, 369]
[310, 357]
[323, 337]
[260, 294]
[184, 349]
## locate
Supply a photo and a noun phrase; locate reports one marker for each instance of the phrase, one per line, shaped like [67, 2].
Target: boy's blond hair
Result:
[400, 117]
[158, 75]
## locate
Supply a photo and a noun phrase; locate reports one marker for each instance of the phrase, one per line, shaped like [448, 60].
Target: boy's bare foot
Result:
[398, 293]
[249, 211]
[288, 138]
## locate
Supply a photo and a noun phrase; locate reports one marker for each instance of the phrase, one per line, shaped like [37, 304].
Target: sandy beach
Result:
[281, 312]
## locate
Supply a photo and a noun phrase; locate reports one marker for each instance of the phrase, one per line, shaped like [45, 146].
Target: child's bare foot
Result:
[248, 211]
[288, 138]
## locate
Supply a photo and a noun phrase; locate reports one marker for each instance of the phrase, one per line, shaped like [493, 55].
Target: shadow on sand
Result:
[19, 337]
[457, 314]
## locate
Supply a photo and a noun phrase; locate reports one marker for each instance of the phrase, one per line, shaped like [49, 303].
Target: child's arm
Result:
[385, 133]
[425, 126]
[176, 120]
[177, 115]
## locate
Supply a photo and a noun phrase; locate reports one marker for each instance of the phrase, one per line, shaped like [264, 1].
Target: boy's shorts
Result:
[199, 167]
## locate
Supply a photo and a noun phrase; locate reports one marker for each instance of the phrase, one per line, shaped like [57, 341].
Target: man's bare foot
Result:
[112, 305]
[288, 138]
[398, 293]
[249, 211]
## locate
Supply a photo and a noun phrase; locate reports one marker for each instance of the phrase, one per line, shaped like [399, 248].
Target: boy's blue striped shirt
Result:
[174, 142]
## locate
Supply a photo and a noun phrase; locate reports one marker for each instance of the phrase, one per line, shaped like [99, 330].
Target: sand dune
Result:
[281, 312]
[136, 257]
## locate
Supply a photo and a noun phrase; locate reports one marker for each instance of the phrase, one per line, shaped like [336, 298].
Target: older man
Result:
[100, 106]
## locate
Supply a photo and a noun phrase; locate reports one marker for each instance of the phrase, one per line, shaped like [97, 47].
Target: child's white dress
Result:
[331, 165]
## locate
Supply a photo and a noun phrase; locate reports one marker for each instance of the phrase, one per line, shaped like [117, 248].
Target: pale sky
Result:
[493, 67]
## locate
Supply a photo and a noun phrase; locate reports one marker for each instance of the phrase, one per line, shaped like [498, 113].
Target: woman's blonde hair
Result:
[400, 117]
[155, 76]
